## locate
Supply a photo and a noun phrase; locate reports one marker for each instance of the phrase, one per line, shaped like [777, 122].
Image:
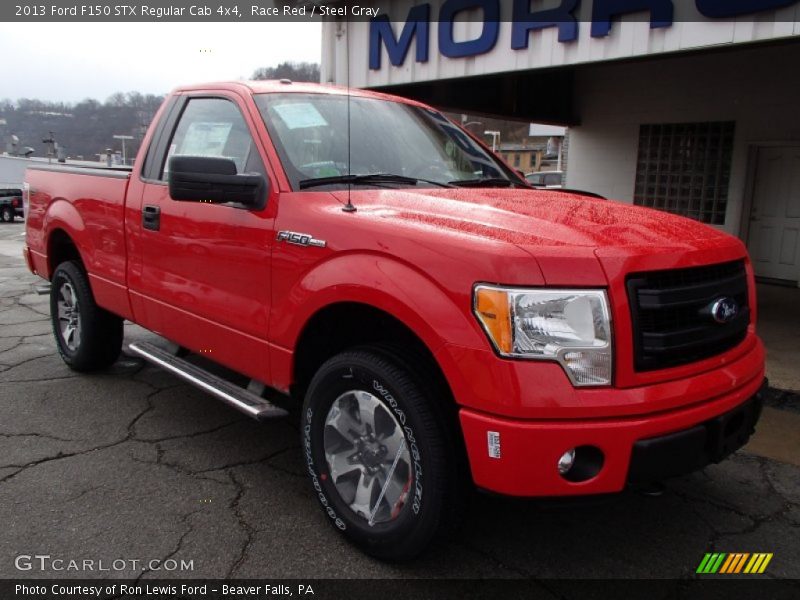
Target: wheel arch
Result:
[331, 331]
[66, 237]
[60, 247]
[344, 325]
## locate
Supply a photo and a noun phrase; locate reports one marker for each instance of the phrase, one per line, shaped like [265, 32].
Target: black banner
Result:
[660, 13]
[385, 589]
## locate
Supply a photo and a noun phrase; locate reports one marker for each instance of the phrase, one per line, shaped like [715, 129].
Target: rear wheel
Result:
[7, 214]
[88, 337]
[377, 454]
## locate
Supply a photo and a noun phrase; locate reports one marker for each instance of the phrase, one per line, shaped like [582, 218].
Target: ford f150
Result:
[440, 323]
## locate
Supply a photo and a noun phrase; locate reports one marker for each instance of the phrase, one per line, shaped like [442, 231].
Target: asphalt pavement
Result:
[133, 465]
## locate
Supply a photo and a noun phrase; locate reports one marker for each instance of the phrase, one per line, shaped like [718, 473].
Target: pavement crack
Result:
[191, 435]
[38, 379]
[26, 361]
[59, 456]
[131, 429]
[493, 559]
[10, 475]
[249, 530]
[181, 470]
[246, 463]
[19, 343]
[62, 455]
[184, 520]
[283, 470]
[756, 521]
[37, 435]
[82, 493]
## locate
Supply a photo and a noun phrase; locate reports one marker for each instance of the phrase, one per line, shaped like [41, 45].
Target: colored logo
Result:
[724, 310]
[734, 563]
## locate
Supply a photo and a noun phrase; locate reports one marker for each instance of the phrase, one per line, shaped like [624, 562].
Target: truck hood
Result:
[599, 238]
[535, 218]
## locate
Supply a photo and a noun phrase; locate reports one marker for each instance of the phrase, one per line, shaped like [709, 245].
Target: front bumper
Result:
[633, 449]
[685, 451]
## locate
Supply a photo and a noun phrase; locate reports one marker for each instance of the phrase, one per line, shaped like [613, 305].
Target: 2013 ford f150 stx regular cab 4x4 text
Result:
[442, 323]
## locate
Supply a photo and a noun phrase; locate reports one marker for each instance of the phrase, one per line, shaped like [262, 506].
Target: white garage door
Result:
[774, 239]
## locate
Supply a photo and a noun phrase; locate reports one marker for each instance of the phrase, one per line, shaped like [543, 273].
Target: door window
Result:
[213, 127]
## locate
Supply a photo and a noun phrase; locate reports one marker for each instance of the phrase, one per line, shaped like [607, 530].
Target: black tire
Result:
[7, 214]
[97, 340]
[432, 492]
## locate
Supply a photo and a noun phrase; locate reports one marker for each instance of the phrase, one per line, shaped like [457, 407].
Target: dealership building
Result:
[691, 107]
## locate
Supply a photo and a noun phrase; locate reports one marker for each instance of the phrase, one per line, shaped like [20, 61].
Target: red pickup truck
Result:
[441, 323]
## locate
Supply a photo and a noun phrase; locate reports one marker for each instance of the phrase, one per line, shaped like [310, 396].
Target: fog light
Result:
[566, 461]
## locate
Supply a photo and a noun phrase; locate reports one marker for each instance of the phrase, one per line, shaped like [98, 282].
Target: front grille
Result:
[671, 314]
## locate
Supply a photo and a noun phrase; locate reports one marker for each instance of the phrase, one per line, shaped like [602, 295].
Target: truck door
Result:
[204, 279]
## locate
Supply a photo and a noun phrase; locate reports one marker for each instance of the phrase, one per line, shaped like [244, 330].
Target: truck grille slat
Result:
[671, 318]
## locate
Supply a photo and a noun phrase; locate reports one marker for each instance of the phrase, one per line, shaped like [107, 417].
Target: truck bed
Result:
[90, 203]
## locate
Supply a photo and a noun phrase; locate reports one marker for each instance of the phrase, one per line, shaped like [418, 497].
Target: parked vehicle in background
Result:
[548, 179]
[438, 323]
[10, 205]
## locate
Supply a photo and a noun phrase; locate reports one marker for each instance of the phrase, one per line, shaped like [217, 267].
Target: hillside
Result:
[83, 129]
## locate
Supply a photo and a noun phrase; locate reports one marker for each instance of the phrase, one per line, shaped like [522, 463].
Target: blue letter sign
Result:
[524, 21]
[380, 29]
[480, 45]
[720, 9]
[604, 10]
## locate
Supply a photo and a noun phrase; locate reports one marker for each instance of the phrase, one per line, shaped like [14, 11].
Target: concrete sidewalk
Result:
[779, 327]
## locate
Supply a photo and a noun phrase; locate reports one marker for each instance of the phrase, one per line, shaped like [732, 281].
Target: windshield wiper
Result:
[373, 178]
[484, 182]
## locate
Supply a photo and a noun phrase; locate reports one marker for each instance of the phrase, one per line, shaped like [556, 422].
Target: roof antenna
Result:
[348, 207]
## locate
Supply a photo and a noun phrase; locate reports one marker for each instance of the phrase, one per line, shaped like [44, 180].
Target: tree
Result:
[86, 128]
[296, 71]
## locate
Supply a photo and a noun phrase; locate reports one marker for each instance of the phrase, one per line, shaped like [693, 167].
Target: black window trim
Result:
[166, 132]
[170, 124]
[155, 151]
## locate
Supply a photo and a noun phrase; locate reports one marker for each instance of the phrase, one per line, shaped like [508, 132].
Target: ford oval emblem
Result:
[724, 310]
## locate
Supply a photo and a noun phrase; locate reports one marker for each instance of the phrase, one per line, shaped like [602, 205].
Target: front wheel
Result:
[7, 214]
[377, 454]
[88, 337]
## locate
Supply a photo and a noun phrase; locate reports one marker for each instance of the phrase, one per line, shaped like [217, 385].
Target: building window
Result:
[684, 168]
[517, 158]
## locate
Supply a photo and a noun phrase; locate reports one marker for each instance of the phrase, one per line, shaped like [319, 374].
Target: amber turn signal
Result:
[492, 308]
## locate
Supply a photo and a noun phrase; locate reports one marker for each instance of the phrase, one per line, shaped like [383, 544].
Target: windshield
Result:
[310, 132]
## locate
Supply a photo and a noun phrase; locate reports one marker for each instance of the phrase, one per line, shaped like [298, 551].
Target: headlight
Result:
[572, 327]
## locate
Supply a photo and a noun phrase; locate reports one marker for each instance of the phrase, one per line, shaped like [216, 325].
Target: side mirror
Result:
[212, 179]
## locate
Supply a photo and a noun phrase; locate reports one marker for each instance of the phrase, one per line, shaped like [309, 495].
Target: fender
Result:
[382, 282]
[61, 214]
[111, 295]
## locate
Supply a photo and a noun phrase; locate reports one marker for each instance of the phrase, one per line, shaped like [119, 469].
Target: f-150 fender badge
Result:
[300, 239]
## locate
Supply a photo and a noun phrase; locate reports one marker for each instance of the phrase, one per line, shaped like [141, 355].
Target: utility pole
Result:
[123, 138]
[51, 146]
[495, 136]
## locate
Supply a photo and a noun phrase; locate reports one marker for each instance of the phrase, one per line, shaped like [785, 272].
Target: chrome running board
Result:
[241, 399]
